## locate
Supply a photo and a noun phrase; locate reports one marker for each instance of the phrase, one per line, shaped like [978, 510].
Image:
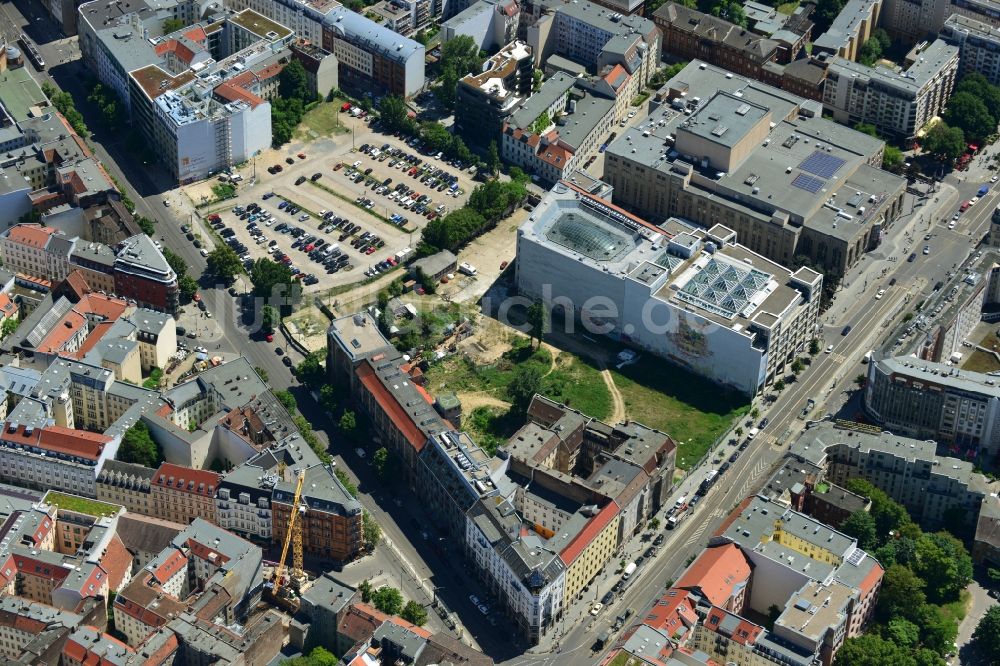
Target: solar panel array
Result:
[822, 164]
[808, 183]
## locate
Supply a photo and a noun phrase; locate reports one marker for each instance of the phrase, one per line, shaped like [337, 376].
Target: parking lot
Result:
[331, 222]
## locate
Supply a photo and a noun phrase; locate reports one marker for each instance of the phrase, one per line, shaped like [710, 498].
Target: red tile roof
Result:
[589, 532]
[201, 482]
[745, 633]
[673, 613]
[388, 403]
[82, 654]
[270, 71]
[69, 326]
[360, 622]
[31, 234]
[872, 579]
[169, 567]
[71, 442]
[238, 89]
[717, 573]
[117, 561]
[29, 566]
[196, 34]
[207, 553]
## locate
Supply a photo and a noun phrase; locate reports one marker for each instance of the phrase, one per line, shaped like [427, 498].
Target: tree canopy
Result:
[389, 600]
[944, 142]
[224, 263]
[987, 634]
[968, 112]
[138, 447]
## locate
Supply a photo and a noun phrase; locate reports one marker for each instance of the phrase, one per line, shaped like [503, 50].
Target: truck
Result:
[629, 570]
[467, 269]
[675, 520]
[708, 482]
[868, 357]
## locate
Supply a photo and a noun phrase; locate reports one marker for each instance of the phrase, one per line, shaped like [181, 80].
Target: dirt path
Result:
[480, 399]
[618, 409]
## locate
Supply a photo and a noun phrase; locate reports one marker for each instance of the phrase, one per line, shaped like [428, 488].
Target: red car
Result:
[197, 297]
[310, 247]
[269, 337]
[286, 260]
[370, 250]
[302, 156]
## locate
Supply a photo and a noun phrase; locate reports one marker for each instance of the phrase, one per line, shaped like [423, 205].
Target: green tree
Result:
[138, 447]
[813, 347]
[349, 486]
[147, 225]
[987, 634]
[866, 128]
[944, 142]
[968, 113]
[371, 531]
[318, 657]
[493, 159]
[538, 320]
[861, 526]
[888, 514]
[654, 524]
[366, 589]
[872, 650]
[902, 632]
[541, 123]
[463, 54]
[451, 232]
[892, 157]
[393, 113]
[870, 52]
[311, 372]
[224, 191]
[779, 385]
[937, 631]
[993, 575]
[172, 25]
[526, 382]
[224, 263]
[293, 82]
[287, 400]
[414, 613]
[348, 421]
[175, 261]
[187, 286]
[826, 12]
[271, 280]
[944, 563]
[380, 460]
[9, 326]
[902, 593]
[270, 318]
[389, 600]
[977, 85]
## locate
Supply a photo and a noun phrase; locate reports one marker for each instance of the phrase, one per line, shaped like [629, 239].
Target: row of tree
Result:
[395, 117]
[924, 573]
[64, 104]
[188, 285]
[389, 600]
[488, 204]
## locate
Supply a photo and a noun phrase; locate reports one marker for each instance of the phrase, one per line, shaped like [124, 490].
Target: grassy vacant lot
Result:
[322, 120]
[567, 379]
[690, 409]
[80, 504]
[788, 7]
[980, 361]
[570, 379]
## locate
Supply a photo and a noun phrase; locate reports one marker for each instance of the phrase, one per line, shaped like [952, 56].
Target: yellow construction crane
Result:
[292, 535]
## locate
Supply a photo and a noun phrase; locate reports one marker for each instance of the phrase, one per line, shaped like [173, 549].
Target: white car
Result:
[596, 608]
[951, 225]
[356, 164]
[360, 452]
[631, 114]
[829, 349]
[203, 252]
[474, 599]
[879, 294]
[994, 179]
[484, 609]
[973, 200]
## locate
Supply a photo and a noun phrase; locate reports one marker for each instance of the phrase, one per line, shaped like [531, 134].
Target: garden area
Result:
[322, 120]
[693, 411]
[80, 504]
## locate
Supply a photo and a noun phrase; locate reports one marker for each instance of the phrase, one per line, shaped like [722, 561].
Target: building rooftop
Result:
[811, 169]
[497, 68]
[322, 491]
[358, 336]
[846, 26]
[552, 89]
[259, 25]
[813, 446]
[20, 93]
[907, 82]
[718, 30]
[814, 610]
[765, 19]
[358, 29]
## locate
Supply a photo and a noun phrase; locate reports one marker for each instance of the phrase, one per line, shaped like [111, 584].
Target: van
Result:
[753, 433]
[868, 357]
[328, 250]
[629, 570]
